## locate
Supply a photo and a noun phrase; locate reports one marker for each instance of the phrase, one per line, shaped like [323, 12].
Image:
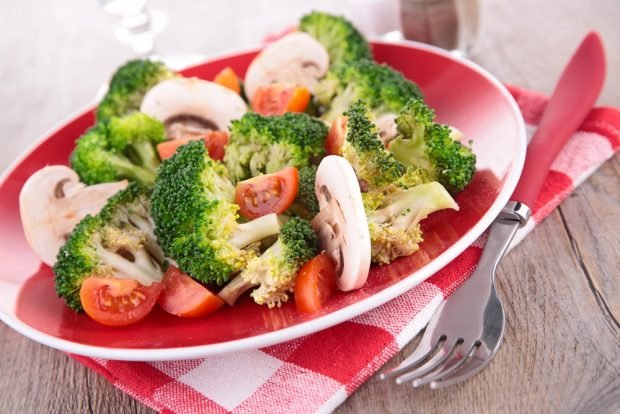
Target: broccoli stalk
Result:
[196, 219]
[128, 86]
[385, 90]
[117, 242]
[121, 148]
[394, 226]
[266, 144]
[343, 42]
[273, 273]
[430, 146]
[256, 230]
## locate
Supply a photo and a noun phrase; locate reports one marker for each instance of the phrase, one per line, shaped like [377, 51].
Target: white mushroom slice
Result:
[296, 58]
[192, 106]
[53, 201]
[456, 134]
[387, 127]
[341, 224]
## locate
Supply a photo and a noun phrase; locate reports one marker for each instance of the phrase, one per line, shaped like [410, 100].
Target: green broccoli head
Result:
[394, 224]
[266, 144]
[137, 134]
[273, 273]
[364, 150]
[196, 219]
[385, 90]
[118, 149]
[128, 86]
[344, 43]
[117, 242]
[306, 204]
[430, 146]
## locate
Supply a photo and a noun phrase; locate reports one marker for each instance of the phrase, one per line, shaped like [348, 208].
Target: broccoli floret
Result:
[128, 86]
[273, 272]
[344, 43]
[266, 144]
[306, 204]
[120, 148]
[117, 242]
[362, 147]
[394, 225]
[425, 144]
[196, 218]
[385, 90]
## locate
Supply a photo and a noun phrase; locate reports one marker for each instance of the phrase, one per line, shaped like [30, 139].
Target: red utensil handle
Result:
[572, 100]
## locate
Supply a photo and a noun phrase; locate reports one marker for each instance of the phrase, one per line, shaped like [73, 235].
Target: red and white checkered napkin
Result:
[316, 373]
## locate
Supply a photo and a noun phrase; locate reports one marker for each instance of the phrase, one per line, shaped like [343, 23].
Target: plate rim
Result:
[308, 327]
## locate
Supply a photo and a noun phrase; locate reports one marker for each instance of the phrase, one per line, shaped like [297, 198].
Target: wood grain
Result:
[560, 286]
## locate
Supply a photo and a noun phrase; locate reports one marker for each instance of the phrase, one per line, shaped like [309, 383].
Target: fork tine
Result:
[454, 364]
[425, 350]
[440, 358]
[467, 370]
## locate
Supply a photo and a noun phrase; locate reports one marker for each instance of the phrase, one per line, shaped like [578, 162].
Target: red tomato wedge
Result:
[315, 283]
[215, 141]
[269, 193]
[183, 296]
[229, 79]
[335, 135]
[117, 302]
[277, 99]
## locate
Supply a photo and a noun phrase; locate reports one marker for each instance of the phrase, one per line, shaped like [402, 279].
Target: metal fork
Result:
[467, 332]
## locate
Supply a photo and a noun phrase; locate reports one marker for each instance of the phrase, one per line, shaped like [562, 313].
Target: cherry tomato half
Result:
[117, 302]
[315, 283]
[269, 193]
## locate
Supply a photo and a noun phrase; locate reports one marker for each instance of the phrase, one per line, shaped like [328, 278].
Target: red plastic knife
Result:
[573, 98]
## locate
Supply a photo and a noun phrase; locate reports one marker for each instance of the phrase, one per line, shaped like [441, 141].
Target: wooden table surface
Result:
[562, 346]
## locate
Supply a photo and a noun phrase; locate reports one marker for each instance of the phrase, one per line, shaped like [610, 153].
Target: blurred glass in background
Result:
[167, 29]
[449, 24]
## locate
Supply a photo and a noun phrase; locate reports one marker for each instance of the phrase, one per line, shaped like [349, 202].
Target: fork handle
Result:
[503, 229]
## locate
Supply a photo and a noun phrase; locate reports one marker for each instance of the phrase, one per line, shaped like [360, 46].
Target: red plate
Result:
[462, 94]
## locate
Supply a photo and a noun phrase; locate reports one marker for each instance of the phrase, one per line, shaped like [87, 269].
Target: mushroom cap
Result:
[53, 201]
[296, 58]
[193, 98]
[341, 224]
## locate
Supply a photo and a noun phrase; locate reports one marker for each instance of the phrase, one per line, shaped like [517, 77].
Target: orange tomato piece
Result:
[184, 297]
[229, 79]
[215, 141]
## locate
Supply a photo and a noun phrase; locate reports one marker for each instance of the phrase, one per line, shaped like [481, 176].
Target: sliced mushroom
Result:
[387, 127]
[296, 58]
[341, 224]
[192, 106]
[53, 201]
[456, 134]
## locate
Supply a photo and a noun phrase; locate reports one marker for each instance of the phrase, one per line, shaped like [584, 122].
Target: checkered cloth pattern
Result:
[316, 373]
